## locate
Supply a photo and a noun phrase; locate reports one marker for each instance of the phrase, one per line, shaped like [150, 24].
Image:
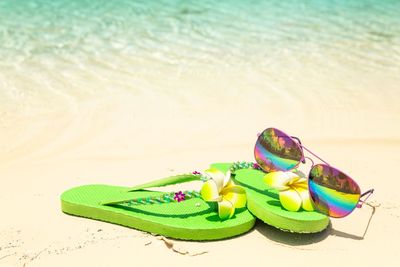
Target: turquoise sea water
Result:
[338, 56]
[173, 31]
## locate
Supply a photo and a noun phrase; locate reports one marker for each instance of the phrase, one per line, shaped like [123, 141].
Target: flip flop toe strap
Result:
[177, 179]
[156, 199]
[160, 197]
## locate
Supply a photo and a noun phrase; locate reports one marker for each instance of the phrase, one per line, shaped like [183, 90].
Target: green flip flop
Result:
[263, 202]
[156, 212]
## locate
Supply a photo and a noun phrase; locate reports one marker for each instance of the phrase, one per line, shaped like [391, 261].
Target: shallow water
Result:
[327, 68]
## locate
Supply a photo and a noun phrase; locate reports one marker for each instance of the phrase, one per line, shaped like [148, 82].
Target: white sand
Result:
[126, 139]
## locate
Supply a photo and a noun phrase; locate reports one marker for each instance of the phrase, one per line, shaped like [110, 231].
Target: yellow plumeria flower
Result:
[220, 188]
[293, 190]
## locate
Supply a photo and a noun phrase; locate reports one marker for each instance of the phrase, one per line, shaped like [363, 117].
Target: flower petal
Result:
[302, 180]
[225, 209]
[230, 184]
[290, 200]
[293, 179]
[298, 184]
[209, 191]
[217, 176]
[276, 180]
[236, 195]
[306, 200]
[292, 176]
[227, 178]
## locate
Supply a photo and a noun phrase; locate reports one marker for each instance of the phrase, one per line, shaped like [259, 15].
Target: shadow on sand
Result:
[296, 239]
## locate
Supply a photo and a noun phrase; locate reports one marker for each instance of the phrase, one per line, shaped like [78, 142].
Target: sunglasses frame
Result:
[301, 147]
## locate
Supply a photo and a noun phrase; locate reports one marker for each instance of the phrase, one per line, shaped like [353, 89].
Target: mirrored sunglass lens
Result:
[332, 192]
[276, 151]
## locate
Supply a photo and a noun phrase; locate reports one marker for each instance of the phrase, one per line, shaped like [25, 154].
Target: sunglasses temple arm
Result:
[362, 201]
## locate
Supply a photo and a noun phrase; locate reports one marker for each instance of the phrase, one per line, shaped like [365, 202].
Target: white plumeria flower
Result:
[293, 190]
[220, 188]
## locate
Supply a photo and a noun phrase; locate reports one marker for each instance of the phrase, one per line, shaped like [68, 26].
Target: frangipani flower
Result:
[220, 188]
[293, 190]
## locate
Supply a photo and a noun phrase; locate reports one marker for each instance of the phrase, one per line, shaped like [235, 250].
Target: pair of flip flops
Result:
[186, 215]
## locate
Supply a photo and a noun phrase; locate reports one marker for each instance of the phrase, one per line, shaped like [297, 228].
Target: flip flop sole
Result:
[264, 203]
[192, 219]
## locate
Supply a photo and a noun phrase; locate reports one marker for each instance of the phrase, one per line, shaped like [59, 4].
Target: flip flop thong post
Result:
[156, 212]
[263, 202]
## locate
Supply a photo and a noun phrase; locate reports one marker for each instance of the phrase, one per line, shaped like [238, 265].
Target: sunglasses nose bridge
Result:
[310, 159]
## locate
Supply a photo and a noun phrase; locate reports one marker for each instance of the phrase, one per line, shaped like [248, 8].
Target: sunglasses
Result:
[332, 192]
